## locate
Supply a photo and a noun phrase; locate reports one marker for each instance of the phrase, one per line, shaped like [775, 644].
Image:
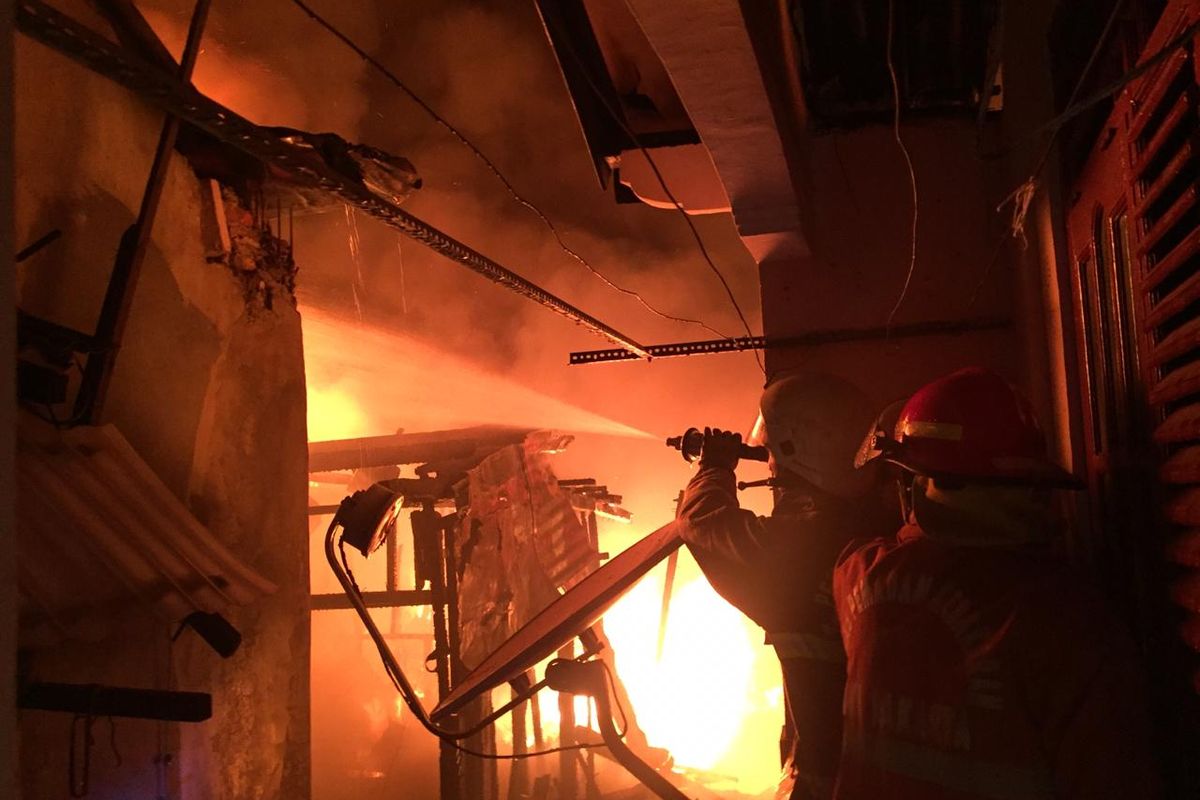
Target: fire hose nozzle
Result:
[692, 441]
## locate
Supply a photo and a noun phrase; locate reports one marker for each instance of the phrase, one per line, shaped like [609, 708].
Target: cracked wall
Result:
[209, 389]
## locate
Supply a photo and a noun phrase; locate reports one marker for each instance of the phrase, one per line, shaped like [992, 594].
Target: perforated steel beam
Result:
[709, 346]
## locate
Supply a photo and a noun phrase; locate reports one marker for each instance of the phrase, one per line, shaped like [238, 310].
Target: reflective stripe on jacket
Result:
[977, 673]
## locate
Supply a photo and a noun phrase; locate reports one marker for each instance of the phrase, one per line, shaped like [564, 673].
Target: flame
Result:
[334, 414]
[713, 700]
[716, 685]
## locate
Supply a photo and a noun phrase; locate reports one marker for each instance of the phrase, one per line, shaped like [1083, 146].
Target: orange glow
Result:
[334, 414]
[390, 381]
[715, 676]
[714, 699]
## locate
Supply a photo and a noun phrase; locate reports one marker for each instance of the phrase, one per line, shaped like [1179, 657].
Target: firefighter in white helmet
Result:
[778, 569]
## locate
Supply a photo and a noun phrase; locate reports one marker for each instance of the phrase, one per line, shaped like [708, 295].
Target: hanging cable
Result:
[1023, 194]
[457, 134]
[1021, 197]
[1184, 39]
[335, 551]
[619, 118]
[912, 174]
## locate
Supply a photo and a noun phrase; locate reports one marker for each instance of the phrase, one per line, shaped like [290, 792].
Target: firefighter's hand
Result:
[720, 448]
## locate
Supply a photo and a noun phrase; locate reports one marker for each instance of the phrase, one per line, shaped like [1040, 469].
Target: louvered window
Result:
[1134, 232]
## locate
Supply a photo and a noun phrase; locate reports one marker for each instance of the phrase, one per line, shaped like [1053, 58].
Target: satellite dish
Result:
[564, 619]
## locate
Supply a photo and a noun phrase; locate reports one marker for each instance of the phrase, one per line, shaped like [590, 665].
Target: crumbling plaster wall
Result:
[209, 389]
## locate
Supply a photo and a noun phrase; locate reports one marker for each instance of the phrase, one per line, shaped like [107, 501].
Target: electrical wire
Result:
[396, 683]
[1087, 69]
[619, 118]
[1022, 196]
[512, 191]
[1100, 95]
[612, 682]
[912, 175]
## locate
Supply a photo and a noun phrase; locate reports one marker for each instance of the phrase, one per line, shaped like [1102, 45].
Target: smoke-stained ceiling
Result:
[488, 69]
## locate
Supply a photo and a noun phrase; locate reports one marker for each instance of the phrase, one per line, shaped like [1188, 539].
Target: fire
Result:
[692, 700]
[714, 698]
[334, 414]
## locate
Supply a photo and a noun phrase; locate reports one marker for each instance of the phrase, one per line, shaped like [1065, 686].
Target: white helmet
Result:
[812, 423]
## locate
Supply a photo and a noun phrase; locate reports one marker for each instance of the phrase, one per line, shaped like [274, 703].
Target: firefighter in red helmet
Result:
[978, 666]
[778, 569]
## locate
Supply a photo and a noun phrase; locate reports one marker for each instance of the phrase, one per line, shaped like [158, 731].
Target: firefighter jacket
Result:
[778, 571]
[981, 672]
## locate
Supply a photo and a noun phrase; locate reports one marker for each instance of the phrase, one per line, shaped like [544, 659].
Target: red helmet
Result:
[974, 426]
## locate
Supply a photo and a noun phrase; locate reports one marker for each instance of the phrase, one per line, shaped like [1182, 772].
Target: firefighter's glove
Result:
[720, 448]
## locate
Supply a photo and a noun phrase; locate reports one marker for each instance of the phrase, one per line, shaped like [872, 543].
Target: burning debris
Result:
[261, 260]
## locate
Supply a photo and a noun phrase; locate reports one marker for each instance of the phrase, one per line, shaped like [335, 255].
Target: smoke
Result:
[487, 68]
[399, 337]
[260, 60]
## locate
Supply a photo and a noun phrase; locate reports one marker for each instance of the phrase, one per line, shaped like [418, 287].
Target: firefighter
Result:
[778, 569]
[978, 666]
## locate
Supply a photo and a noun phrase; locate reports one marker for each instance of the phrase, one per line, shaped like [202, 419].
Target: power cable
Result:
[457, 134]
[619, 118]
[1100, 95]
[912, 175]
[396, 683]
[1022, 196]
[1049, 148]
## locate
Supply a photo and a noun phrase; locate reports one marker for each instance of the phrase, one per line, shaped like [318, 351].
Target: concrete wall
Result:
[209, 389]
[857, 220]
[855, 200]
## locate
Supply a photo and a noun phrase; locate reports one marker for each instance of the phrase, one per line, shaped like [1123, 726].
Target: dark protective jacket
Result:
[977, 672]
[778, 571]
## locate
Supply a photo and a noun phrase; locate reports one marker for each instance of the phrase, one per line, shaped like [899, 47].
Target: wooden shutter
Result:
[1162, 141]
[1134, 236]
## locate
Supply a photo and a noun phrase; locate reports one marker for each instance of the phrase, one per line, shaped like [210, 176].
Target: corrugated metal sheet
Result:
[520, 542]
[98, 533]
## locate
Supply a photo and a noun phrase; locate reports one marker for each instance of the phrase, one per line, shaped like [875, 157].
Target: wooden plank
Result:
[1189, 631]
[1184, 508]
[409, 448]
[1182, 339]
[1178, 256]
[1183, 467]
[1177, 163]
[1182, 426]
[1183, 204]
[1184, 548]
[1183, 295]
[1173, 118]
[114, 701]
[1149, 102]
[1177, 384]
[1185, 591]
[401, 597]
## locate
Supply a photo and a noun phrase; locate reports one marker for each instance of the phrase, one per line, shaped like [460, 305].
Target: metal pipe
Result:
[590, 679]
[54, 29]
